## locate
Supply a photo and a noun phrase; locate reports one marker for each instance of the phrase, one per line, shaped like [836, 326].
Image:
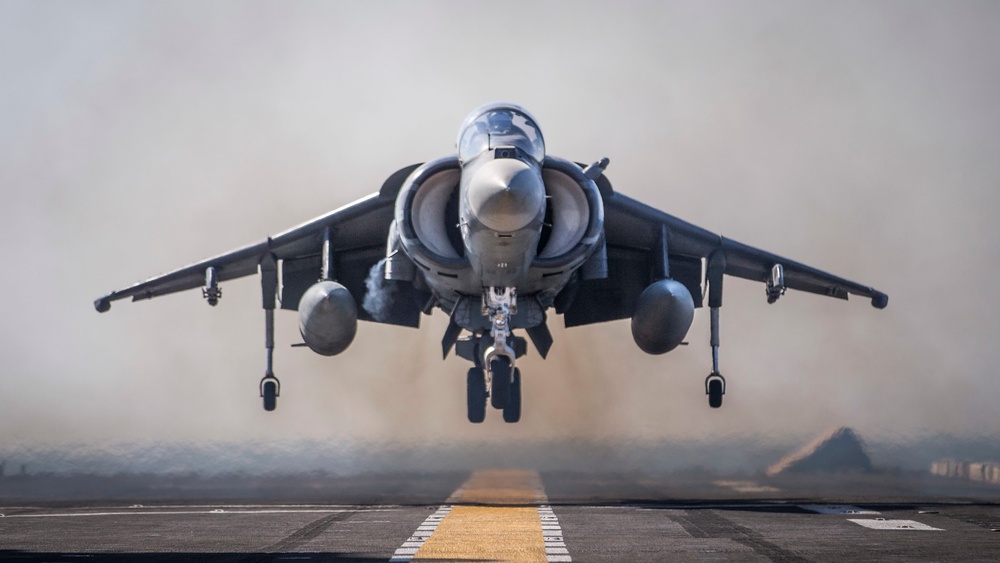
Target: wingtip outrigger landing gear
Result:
[270, 387]
[715, 384]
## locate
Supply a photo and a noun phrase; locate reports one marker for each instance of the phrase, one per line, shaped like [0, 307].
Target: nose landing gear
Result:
[494, 376]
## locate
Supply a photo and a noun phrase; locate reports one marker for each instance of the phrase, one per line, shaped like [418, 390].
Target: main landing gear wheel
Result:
[501, 376]
[715, 388]
[476, 389]
[512, 412]
[269, 391]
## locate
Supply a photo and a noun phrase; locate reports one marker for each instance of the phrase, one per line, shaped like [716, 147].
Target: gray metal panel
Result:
[628, 222]
[297, 276]
[615, 297]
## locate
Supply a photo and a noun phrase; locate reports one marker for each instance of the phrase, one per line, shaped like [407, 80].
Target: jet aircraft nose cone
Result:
[506, 194]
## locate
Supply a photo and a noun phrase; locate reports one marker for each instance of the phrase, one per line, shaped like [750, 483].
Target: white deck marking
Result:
[552, 535]
[836, 509]
[213, 512]
[555, 547]
[409, 548]
[883, 524]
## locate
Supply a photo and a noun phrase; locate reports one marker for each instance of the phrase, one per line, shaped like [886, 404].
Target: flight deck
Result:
[511, 515]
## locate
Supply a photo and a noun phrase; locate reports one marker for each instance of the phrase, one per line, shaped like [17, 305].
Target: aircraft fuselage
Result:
[501, 214]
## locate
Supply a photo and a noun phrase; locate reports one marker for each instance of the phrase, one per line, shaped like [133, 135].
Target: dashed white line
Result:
[552, 535]
[408, 550]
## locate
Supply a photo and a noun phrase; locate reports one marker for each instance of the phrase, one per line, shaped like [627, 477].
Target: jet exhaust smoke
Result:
[379, 294]
[823, 133]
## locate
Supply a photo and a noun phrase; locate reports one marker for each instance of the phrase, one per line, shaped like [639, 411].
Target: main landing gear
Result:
[495, 376]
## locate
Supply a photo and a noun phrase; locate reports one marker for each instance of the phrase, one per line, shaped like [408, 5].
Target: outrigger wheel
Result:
[269, 390]
[715, 388]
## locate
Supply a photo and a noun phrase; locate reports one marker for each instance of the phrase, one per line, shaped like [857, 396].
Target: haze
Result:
[860, 138]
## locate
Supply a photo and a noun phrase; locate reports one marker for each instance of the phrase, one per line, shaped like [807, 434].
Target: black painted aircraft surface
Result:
[496, 237]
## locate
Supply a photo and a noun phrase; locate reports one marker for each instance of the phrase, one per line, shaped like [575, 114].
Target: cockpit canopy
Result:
[500, 125]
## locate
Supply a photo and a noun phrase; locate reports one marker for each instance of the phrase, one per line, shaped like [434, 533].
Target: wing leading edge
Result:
[349, 226]
[740, 260]
[357, 231]
[636, 235]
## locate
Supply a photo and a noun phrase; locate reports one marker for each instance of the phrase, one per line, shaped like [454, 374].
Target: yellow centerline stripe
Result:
[486, 533]
[502, 487]
[500, 515]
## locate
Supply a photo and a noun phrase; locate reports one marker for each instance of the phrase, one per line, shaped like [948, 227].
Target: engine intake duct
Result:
[575, 214]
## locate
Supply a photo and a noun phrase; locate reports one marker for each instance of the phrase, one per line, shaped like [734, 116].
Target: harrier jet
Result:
[497, 236]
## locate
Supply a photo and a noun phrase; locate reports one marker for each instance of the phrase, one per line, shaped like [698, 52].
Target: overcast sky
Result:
[861, 138]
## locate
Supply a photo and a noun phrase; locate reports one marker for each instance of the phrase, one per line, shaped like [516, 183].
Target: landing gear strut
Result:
[499, 303]
[715, 384]
[270, 387]
[494, 376]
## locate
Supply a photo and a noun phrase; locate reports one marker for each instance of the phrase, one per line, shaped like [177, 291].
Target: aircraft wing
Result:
[358, 233]
[353, 226]
[633, 234]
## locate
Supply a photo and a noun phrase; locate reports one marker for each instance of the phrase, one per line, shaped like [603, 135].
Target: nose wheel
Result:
[501, 376]
[512, 412]
[476, 391]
